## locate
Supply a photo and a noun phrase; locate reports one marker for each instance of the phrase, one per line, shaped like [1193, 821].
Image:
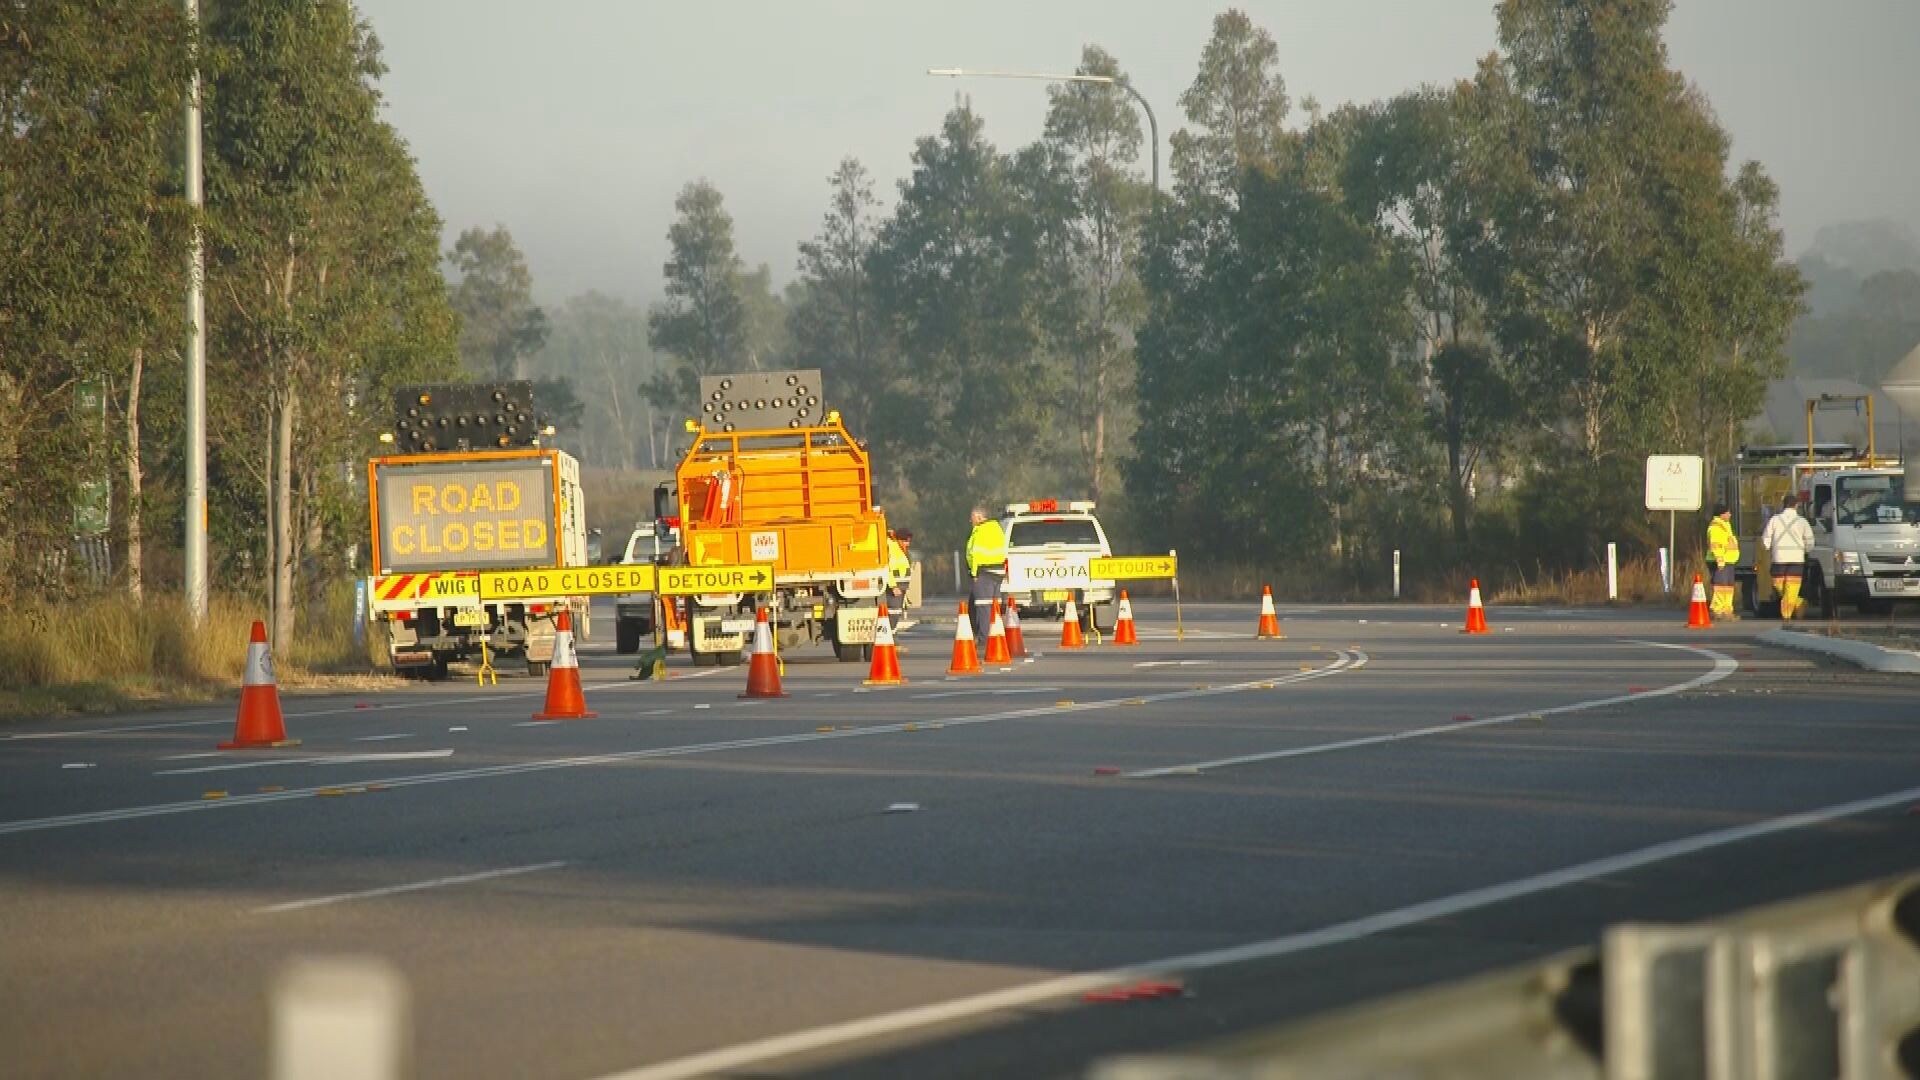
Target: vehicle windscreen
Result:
[1875, 500]
[1043, 531]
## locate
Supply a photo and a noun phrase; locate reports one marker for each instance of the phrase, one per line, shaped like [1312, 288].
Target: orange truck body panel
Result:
[799, 498]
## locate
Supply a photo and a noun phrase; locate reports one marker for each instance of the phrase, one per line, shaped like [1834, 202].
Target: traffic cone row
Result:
[1123, 631]
[1016, 643]
[1697, 615]
[885, 669]
[1070, 635]
[565, 701]
[1476, 612]
[997, 651]
[1269, 618]
[966, 655]
[763, 664]
[258, 725]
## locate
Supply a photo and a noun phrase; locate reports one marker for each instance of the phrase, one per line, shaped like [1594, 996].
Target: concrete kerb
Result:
[1859, 653]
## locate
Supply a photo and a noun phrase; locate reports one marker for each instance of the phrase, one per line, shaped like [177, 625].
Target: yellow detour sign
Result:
[572, 581]
[1119, 567]
[688, 580]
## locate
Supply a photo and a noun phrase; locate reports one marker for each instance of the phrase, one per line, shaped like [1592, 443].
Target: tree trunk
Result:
[1099, 426]
[283, 523]
[1456, 473]
[135, 584]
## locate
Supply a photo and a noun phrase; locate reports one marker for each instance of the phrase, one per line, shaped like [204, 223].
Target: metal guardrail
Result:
[1823, 987]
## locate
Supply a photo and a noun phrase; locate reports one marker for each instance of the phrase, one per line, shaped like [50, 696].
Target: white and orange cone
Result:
[1698, 617]
[763, 666]
[1123, 631]
[966, 655]
[885, 669]
[1070, 635]
[565, 701]
[258, 724]
[997, 650]
[1269, 618]
[1016, 642]
[1476, 611]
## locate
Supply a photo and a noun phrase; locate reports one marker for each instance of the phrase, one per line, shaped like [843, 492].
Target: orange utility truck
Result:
[470, 491]
[775, 503]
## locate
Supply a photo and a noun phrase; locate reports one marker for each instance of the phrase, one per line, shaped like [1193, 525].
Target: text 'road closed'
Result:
[577, 581]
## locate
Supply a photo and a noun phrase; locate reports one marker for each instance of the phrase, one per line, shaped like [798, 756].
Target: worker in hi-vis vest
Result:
[1723, 547]
[987, 562]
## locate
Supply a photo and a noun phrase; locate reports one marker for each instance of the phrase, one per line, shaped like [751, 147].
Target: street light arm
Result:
[1153, 124]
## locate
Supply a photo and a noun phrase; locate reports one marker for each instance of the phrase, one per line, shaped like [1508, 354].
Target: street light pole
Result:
[1153, 125]
[195, 546]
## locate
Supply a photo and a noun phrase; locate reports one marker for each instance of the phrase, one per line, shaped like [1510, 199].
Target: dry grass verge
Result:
[110, 654]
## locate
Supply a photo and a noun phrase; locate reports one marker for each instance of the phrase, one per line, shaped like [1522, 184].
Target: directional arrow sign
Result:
[1121, 567]
[689, 580]
[571, 581]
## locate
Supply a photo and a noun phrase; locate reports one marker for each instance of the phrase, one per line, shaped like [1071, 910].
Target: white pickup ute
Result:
[1050, 550]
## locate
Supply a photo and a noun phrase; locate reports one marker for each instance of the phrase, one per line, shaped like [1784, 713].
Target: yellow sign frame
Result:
[566, 581]
[735, 578]
[1133, 567]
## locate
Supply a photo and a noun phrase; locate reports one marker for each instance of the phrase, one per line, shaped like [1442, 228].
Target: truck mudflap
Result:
[855, 625]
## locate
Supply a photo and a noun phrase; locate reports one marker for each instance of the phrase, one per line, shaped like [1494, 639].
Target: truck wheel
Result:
[626, 636]
[1750, 595]
[1822, 596]
[1875, 607]
[704, 659]
[849, 652]
[731, 658]
[537, 668]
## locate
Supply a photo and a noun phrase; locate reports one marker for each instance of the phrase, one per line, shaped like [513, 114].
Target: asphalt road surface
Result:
[927, 880]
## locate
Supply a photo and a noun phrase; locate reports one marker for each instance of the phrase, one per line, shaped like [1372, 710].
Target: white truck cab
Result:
[1050, 549]
[1866, 539]
[650, 542]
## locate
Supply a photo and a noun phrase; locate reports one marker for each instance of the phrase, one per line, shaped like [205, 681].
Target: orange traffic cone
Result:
[763, 666]
[885, 670]
[259, 724]
[1070, 636]
[1476, 614]
[1269, 618]
[1123, 633]
[1697, 615]
[564, 699]
[997, 651]
[1016, 642]
[966, 656]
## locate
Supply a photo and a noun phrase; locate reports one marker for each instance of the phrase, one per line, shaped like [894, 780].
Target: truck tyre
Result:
[1822, 598]
[1750, 595]
[626, 637]
[1875, 607]
[850, 652]
[538, 668]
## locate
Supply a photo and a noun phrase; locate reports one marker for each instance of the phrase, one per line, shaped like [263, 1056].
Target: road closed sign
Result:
[694, 580]
[1673, 481]
[1133, 567]
[571, 581]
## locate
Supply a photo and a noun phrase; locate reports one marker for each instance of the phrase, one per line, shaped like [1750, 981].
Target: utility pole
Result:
[195, 545]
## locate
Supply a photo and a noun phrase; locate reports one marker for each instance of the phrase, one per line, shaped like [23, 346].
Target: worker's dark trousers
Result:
[986, 589]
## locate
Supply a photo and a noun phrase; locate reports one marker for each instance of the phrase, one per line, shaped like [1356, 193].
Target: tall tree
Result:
[92, 242]
[955, 271]
[500, 325]
[1096, 133]
[834, 323]
[599, 344]
[1238, 105]
[704, 323]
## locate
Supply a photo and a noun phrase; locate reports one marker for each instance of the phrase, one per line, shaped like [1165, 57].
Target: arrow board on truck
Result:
[1128, 567]
[571, 581]
[691, 580]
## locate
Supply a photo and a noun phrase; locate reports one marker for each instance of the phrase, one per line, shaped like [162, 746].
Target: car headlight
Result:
[1847, 562]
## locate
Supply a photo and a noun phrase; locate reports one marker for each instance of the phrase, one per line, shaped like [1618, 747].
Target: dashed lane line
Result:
[415, 886]
[1723, 666]
[1345, 662]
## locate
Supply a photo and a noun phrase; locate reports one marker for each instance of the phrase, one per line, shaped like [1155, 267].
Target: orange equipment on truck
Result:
[772, 478]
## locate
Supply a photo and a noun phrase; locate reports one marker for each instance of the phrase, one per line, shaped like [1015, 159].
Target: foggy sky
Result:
[575, 122]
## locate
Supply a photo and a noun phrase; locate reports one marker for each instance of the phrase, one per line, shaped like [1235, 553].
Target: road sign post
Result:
[1673, 484]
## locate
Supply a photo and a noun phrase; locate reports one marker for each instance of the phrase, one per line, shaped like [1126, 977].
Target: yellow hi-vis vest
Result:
[986, 546]
[1722, 544]
[899, 567]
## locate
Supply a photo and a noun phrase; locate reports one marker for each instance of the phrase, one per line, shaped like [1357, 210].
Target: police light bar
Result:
[1018, 508]
[1085, 505]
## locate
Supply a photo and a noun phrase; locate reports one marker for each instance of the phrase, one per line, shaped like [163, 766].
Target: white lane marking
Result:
[384, 738]
[781, 1046]
[193, 757]
[416, 886]
[432, 703]
[1347, 661]
[1723, 666]
[536, 723]
[407, 755]
[331, 759]
[1002, 693]
[1172, 663]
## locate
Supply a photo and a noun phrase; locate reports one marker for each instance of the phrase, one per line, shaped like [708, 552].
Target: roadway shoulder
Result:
[1860, 653]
